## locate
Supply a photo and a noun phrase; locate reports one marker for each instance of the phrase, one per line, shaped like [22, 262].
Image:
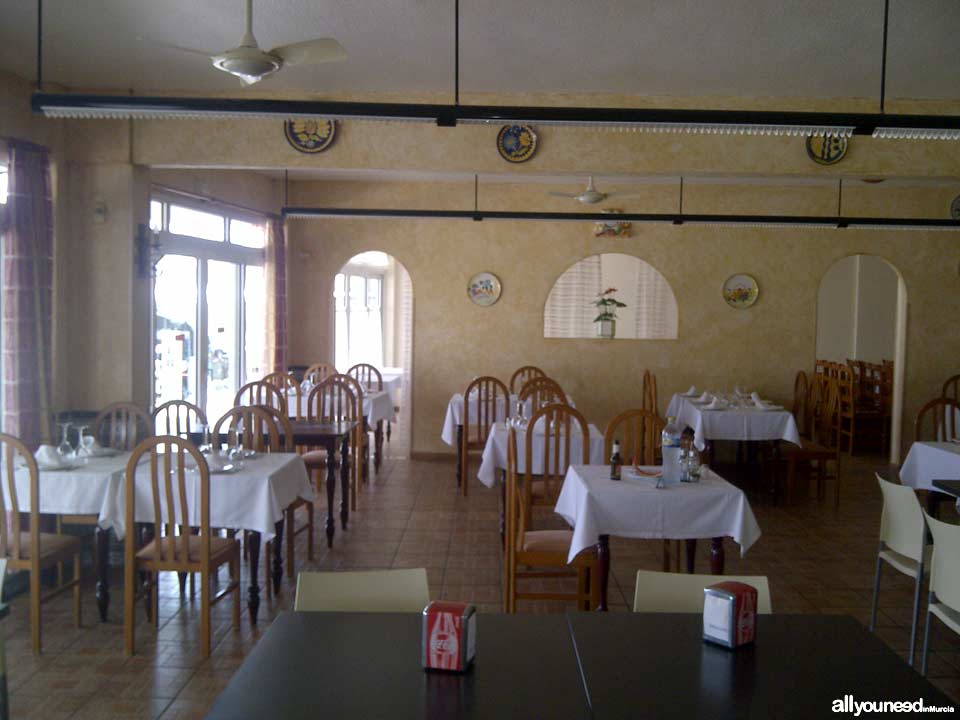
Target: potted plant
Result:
[606, 321]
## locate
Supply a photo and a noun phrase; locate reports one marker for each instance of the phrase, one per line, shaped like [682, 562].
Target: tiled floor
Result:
[818, 560]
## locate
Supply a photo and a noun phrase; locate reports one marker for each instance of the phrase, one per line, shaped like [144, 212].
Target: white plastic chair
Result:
[366, 591]
[944, 581]
[666, 592]
[903, 546]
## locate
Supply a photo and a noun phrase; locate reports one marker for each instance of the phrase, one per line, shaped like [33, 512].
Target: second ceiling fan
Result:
[590, 196]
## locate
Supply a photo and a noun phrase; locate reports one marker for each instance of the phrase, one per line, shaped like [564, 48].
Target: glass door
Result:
[176, 318]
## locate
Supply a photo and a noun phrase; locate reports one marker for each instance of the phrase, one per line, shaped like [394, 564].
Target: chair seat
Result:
[51, 545]
[547, 541]
[220, 550]
[808, 449]
[950, 617]
[908, 566]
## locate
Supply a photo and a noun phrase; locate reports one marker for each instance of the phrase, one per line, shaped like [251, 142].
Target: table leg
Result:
[459, 454]
[503, 509]
[708, 450]
[277, 557]
[344, 481]
[253, 593]
[331, 526]
[378, 445]
[934, 498]
[691, 556]
[103, 571]
[716, 556]
[389, 425]
[603, 569]
[776, 470]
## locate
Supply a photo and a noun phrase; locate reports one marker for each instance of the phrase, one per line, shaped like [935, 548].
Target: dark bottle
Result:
[615, 461]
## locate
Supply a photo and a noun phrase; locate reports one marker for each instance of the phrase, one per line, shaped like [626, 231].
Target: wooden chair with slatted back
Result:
[178, 417]
[259, 392]
[639, 434]
[951, 388]
[858, 375]
[362, 445]
[318, 372]
[558, 425]
[288, 386]
[848, 408]
[484, 401]
[815, 393]
[174, 548]
[649, 401]
[522, 376]
[251, 426]
[370, 380]
[821, 447]
[800, 391]
[820, 367]
[121, 426]
[542, 391]
[937, 421]
[539, 549]
[30, 549]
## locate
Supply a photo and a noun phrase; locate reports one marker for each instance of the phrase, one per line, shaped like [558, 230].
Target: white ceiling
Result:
[735, 48]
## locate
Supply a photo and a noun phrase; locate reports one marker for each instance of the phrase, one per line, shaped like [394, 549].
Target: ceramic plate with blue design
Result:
[516, 143]
[310, 136]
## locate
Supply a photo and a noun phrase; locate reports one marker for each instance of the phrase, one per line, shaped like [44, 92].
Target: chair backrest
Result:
[288, 386]
[364, 591]
[801, 389]
[318, 372]
[515, 502]
[639, 434]
[166, 469]
[178, 417]
[825, 428]
[951, 389]
[522, 376]
[937, 420]
[251, 426]
[902, 527]
[649, 398]
[484, 400]
[121, 426]
[945, 566]
[666, 592]
[844, 380]
[13, 452]
[334, 400]
[559, 424]
[541, 391]
[284, 429]
[260, 392]
[367, 375]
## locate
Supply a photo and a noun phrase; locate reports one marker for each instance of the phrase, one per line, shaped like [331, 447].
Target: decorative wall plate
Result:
[516, 143]
[740, 291]
[484, 289]
[310, 136]
[826, 149]
[612, 228]
[955, 208]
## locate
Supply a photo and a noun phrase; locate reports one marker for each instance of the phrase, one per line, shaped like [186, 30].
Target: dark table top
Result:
[948, 486]
[657, 666]
[358, 666]
[304, 433]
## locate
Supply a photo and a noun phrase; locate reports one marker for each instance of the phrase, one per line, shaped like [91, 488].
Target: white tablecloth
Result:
[82, 491]
[929, 461]
[454, 416]
[377, 406]
[595, 505]
[392, 383]
[733, 423]
[252, 499]
[495, 452]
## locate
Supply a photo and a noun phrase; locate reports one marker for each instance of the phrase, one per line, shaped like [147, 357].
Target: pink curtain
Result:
[276, 274]
[26, 276]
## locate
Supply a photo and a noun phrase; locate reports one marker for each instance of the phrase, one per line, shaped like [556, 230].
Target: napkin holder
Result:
[730, 614]
[449, 640]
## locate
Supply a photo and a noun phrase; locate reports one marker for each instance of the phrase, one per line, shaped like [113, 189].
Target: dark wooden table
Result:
[951, 487]
[945, 490]
[356, 665]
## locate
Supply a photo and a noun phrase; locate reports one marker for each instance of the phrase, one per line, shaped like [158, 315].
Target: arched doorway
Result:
[861, 319]
[373, 323]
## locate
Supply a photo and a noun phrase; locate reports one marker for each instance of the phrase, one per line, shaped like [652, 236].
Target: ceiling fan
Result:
[590, 196]
[251, 64]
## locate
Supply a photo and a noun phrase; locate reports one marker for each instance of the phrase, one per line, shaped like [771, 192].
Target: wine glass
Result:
[65, 449]
[235, 454]
[204, 438]
[85, 444]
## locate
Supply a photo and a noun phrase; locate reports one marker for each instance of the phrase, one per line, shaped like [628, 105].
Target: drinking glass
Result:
[204, 438]
[85, 443]
[65, 449]
[235, 454]
[693, 465]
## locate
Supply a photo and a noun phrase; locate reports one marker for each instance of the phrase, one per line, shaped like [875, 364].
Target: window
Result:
[209, 303]
[357, 294]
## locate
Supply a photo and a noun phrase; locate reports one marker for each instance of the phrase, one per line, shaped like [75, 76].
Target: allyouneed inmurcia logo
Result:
[857, 707]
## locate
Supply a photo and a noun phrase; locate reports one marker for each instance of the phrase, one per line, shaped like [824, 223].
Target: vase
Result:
[606, 328]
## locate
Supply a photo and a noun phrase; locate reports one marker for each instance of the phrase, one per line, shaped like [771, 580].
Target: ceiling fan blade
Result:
[320, 50]
[565, 195]
[622, 193]
[180, 48]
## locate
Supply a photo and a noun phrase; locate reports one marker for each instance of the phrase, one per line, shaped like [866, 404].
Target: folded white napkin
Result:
[716, 404]
[215, 461]
[706, 397]
[97, 450]
[48, 458]
[692, 392]
[755, 396]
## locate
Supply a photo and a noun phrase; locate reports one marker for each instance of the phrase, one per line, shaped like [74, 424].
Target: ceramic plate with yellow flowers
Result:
[740, 291]
[516, 143]
[310, 136]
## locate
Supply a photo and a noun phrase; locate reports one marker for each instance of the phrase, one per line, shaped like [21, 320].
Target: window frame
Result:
[367, 272]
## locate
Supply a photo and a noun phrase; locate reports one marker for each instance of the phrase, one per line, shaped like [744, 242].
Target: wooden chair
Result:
[937, 420]
[820, 446]
[364, 591]
[362, 454]
[121, 426]
[639, 437]
[951, 388]
[667, 592]
[173, 547]
[480, 411]
[801, 389]
[367, 375]
[847, 405]
[260, 392]
[542, 391]
[560, 424]
[178, 417]
[288, 386]
[318, 372]
[522, 376]
[649, 401]
[30, 549]
[541, 548]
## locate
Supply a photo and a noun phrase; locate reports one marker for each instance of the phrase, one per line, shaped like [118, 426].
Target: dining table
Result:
[578, 665]
[640, 506]
[746, 422]
[928, 463]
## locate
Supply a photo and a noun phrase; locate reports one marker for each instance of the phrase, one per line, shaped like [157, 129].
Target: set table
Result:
[580, 665]
[744, 423]
[597, 507]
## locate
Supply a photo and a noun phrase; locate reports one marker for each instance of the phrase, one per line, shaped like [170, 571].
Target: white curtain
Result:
[569, 311]
[656, 304]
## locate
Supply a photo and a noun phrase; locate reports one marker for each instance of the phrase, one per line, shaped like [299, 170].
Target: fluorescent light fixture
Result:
[916, 133]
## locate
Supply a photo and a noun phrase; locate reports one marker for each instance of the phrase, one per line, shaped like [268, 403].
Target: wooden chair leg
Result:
[464, 476]
[155, 599]
[35, 608]
[267, 559]
[205, 614]
[235, 579]
[291, 517]
[791, 478]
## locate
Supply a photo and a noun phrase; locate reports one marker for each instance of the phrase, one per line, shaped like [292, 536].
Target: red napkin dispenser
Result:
[730, 613]
[449, 636]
